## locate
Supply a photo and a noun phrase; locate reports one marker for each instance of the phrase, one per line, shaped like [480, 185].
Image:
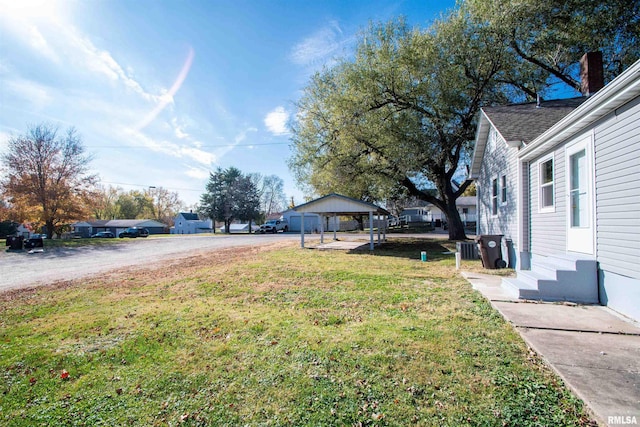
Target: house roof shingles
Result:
[189, 216]
[525, 122]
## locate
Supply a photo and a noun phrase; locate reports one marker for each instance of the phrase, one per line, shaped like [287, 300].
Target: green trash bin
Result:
[490, 246]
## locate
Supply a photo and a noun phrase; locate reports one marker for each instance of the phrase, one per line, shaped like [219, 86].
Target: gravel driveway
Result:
[21, 269]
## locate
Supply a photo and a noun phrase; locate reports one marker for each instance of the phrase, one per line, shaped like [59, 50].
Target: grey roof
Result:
[125, 223]
[525, 122]
[519, 123]
[466, 201]
[339, 205]
[189, 216]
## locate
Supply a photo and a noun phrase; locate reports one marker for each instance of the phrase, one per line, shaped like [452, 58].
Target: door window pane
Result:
[578, 189]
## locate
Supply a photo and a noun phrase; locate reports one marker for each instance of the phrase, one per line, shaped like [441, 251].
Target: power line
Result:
[202, 146]
[148, 186]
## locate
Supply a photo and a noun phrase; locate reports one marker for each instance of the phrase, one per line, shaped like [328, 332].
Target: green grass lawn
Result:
[273, 336]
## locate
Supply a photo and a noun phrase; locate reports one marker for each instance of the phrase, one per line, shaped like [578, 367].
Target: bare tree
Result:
[164, 204]
[271, 193]
[45, 179]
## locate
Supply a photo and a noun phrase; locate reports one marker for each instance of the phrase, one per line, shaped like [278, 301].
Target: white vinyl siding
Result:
[617, 148]
[548, 226]
[499, 160]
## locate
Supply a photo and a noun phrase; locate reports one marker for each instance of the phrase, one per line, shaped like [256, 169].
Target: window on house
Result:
[494, 197]
[546, 185]
[503, 189]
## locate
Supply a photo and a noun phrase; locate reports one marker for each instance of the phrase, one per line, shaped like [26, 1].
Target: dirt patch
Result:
[166, 270]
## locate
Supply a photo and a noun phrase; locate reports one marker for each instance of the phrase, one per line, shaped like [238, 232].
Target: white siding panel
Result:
[548, 229]
[613, 207]
[618, 178]
[618, 134]
[499, 160]
[623, 260]
[617, 148]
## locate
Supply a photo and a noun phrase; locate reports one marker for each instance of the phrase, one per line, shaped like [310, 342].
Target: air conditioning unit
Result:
[468, 250]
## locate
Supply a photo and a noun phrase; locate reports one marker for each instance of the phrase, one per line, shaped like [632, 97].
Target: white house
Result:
[190, 223]
[466, 206]
[561, 180]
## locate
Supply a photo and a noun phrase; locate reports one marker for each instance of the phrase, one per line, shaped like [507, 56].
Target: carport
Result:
[338, 205]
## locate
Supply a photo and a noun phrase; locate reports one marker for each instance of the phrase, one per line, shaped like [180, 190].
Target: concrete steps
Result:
[564, 277]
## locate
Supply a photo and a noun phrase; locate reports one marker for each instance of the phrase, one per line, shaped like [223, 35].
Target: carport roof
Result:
[338, 204]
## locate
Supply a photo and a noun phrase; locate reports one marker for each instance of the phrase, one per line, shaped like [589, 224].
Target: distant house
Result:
[116, 226]
[466, 206]
[561, 180]
[190, 223]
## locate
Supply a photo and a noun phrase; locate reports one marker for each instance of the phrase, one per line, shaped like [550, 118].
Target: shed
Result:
[335, 205]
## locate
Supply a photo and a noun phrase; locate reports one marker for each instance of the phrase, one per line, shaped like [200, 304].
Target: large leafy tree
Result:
[546, 38]
[46, 178]
[230, 195]
[164, 204]
[133, 204]
[400, 114]
[155, 202]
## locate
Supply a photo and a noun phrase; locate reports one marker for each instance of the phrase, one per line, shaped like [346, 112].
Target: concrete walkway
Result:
[592, 348]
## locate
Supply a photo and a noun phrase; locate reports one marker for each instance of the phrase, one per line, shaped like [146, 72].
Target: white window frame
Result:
[552, 184]
[495, 191]
[503, 189]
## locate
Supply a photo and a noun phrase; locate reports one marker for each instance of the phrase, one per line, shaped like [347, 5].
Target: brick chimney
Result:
[591, 73]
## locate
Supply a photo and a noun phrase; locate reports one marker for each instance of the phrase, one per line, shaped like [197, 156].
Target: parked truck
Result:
[275, 225]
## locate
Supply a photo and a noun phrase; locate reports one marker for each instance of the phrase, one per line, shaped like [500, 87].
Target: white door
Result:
[580, 197]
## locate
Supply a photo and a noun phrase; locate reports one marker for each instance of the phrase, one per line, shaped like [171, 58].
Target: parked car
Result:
[274, 225]
[104, 235]
[134, 232]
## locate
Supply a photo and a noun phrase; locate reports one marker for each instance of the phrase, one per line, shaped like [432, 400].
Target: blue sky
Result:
[163, 92]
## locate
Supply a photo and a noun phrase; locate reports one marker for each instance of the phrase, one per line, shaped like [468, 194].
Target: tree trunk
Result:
[456, 227]
[446, 203]
[49, 231]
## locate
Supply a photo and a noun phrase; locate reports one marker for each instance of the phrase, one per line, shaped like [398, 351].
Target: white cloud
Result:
[36, 94]
[4, 140]
[276, 121]
[319, 47]
[200, 156]
[174, 150]
[85, 54]
[41, 25]
[197, 173]
[178, 129]
[40, 44]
